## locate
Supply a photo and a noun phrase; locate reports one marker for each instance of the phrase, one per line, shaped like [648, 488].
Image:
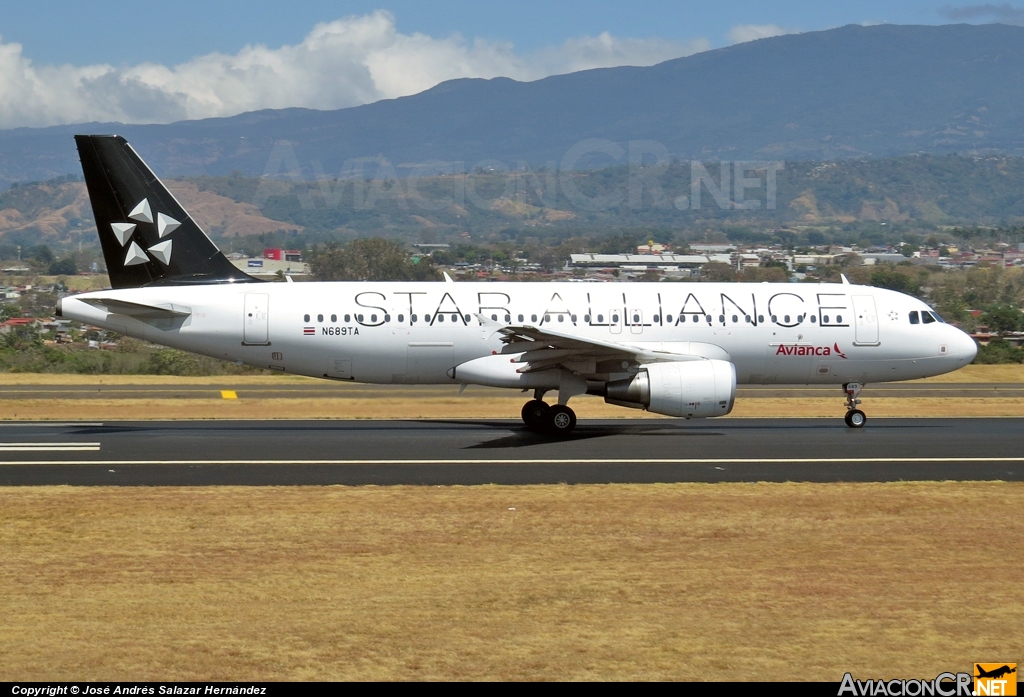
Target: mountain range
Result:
[851, 92]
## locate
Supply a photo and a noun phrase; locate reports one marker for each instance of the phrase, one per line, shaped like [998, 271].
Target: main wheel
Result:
[561, 420]
[855, 418]
[535, 414]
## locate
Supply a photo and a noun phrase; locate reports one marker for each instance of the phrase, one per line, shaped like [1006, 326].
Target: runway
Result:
[471, 452]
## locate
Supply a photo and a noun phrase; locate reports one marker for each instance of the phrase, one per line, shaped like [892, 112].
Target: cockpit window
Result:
[927, 317]
[914, 319]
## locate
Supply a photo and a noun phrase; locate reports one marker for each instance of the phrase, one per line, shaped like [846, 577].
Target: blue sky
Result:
[120, 32]
[114, 60]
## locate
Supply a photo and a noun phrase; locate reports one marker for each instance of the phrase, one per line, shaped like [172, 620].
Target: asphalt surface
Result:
[452, 452]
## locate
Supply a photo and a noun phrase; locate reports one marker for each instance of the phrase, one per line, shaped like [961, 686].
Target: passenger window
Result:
[426, 318]
[813, 319]
[825, 319]
[520, 318]
[760, 318]
[359, 318]
[440, 318]
[373, 318]
[600, 318]
[668, 318]
[466, 318]
[574, 318]
[561, 318]
[508, 318]
[319, 318]
[747, 318]
[615, 318]
[334, 318]
[412, 318]
[636, 319]
[348, 318]
[786, 318]
[401, 318]
[775, 318]
[721, 319]
[926, 317]
[533, 318]
[455, 318]
[387, 318]
[547, 318]
[494, 318]
[839, 319]
[586, 318]
[656, 318]
[305, 318]
[914, 319]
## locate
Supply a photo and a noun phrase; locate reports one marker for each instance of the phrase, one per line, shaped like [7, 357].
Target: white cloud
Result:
[605, 51]
[338, 64]
[742, 33]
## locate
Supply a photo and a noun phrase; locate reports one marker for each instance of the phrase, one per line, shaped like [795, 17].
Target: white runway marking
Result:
[46, 447]
[559, 461]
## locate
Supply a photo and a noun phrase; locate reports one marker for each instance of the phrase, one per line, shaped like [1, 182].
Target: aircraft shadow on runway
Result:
[519, 436]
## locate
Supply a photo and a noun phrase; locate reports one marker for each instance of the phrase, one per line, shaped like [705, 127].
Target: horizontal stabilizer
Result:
[138, 310]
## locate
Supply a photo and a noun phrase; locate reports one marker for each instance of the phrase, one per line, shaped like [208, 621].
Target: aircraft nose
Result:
[964, 347]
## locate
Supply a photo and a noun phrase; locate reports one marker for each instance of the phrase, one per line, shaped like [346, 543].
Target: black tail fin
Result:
[147, 237]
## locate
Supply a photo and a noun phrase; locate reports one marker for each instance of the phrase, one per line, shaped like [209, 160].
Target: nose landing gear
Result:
[854, 418]
[557, 420]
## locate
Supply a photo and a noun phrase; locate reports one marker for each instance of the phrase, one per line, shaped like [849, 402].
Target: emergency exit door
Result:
[255, 321]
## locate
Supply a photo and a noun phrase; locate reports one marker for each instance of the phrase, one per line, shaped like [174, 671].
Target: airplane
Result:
[677, 349]
[994, 673]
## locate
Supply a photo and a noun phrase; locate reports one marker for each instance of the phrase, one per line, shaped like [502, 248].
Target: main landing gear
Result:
[556, 420]
[854, 418]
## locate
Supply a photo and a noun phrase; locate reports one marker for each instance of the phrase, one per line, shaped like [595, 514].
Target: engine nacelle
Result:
[694, 389]
[502, 370]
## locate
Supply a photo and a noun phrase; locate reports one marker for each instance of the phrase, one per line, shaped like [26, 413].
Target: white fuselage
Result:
[393, 332]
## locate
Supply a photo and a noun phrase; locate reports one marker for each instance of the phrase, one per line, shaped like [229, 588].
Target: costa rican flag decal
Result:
[309, 331]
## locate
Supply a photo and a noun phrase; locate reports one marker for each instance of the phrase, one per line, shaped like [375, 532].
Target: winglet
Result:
[486, 321]
[447, 278]
[846, 281]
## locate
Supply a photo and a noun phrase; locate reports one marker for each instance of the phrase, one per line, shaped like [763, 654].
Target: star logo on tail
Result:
[165, 225]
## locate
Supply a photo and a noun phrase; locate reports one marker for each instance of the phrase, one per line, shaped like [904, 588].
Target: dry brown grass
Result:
[356, 401]
[682, 581]
[1013, 372]
[971, 373]
[70, 379]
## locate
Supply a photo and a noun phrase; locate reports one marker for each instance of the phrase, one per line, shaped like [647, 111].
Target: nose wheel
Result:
[557, 420]
[854, 418]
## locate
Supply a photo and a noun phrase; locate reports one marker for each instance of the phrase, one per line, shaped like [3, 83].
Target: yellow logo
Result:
[995, 679]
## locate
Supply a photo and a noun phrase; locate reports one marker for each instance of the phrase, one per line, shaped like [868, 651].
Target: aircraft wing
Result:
[139, 311]
[543, 349]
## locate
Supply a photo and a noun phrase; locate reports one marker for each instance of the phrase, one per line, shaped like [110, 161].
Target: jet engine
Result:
[694, 389]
